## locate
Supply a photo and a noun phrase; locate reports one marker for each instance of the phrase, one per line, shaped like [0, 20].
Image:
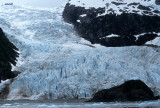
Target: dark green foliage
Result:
[8, 54]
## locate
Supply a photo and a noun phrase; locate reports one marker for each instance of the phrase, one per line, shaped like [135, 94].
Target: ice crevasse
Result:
[56, 63]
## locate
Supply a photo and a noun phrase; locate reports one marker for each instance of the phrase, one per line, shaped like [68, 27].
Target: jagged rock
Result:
[157, 2]
[98, 24]
[16, 73]
[8, 54]
[4, 89]
[133, 90]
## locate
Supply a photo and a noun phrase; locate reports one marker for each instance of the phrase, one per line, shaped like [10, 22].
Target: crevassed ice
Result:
[56, 63]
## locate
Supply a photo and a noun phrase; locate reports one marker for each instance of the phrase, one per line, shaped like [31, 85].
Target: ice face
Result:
[56, 63]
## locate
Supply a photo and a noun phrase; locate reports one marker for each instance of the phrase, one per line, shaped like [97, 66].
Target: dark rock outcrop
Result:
[133, 90]
[97, 28]
[157, 2]
[8, 54]
[5, 90]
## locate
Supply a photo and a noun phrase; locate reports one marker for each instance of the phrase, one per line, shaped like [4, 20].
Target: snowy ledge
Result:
[142, 7]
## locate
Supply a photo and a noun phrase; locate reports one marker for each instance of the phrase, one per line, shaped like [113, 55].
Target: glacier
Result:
[56, 63]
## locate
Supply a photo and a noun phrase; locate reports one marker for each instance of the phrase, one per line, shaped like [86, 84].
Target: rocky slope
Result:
[115, 22]
[8, 54]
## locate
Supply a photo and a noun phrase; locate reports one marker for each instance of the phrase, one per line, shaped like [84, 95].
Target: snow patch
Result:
[109, 36]
[117, 6]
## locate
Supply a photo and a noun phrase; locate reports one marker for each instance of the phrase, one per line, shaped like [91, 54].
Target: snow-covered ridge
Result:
[102, 3]
[97, 20]
[143, 7]
[56, 63]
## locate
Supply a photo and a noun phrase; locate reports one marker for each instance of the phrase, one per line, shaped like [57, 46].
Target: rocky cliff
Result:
[8, 54]
[114, 22]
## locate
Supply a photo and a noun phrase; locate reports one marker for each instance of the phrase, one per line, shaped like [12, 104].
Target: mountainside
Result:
[8, 54]
[56, 63]
[115, 22]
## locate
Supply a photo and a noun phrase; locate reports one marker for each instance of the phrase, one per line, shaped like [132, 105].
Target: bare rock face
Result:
[118, 23]
[133, 90]
[157, 2]
[8, 54]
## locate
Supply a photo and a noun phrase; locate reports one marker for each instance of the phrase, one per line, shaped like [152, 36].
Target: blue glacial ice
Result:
[58, 64]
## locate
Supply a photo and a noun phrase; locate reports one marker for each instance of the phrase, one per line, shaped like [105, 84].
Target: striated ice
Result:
[56, 63]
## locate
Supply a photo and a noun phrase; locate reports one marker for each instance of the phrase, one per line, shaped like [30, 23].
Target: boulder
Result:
[132, 90]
